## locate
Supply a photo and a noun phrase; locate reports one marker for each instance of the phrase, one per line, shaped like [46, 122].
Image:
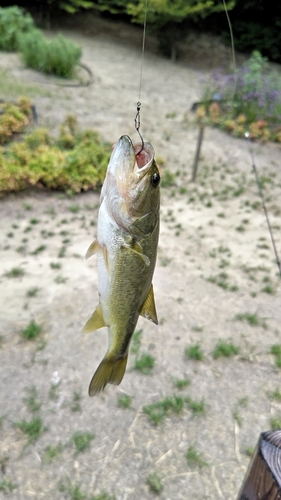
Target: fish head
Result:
[131, 187]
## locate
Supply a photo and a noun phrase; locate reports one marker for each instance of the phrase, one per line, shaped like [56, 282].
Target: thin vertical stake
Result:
[263, 203]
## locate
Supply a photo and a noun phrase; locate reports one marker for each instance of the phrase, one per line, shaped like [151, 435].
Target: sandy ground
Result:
[214, 262]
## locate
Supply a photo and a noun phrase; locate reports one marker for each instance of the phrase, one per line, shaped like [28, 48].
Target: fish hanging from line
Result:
[126, 248]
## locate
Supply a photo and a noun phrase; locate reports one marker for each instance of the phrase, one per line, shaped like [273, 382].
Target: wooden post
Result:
[263, 477]
[198, 149]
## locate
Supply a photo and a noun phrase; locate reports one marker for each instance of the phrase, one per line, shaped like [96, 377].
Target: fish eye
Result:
[155, 179]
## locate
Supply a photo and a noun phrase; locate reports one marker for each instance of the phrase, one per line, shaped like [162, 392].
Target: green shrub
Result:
[248, 100]
[39, 160]
[13, 22]
[13, 118]
[58, 56]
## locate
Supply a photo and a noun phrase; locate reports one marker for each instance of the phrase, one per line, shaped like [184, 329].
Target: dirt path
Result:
[215, 263]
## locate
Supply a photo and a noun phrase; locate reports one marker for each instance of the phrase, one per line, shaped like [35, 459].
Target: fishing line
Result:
[137, 117]
[263, 201]
[232, 48]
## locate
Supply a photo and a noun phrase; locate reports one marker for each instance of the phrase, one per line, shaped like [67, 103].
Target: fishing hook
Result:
[137, 127]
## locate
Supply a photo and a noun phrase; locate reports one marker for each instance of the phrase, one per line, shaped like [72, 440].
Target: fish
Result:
[126, 248]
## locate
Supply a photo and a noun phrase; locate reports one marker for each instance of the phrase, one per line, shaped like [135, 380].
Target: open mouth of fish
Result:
[133, 157]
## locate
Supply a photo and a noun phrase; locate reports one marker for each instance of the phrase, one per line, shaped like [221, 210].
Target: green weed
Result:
[194, 458]
[32, 402]
[225, 350]
[250, 451]
[32, 292]
[32, 429]
[182, 383]
[76, 398]
[197, 407]
[32, 331]
[55, 265]
[38, 250]
[276, 351]
[275, 424]
[7, 486]
[155, 484]
[145, 364]
[15, 272]
[82, 440]
[74, 208]
[276, 395]
[60, 279]
[194, 352]
[124, 401]
[251, 318]
[52, 452]
[161, 409]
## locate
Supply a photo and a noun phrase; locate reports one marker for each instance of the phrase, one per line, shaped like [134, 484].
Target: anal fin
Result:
[148, 309]
[96, 321]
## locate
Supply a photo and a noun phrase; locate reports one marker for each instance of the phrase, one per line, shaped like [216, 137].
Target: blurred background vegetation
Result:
[256, 23]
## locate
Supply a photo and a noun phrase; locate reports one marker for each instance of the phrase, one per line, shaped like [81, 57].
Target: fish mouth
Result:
[134, 157]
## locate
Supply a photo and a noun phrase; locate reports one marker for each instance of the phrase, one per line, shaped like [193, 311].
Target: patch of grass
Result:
[32, 402]
[62, 252]
[6, 486]
[161, 409]
[73, 490]
[76, 398]
[74, 208]
[32, 331]
[145, 364]
[124, 401]
[276, 351]
[194, 352]
[197, 407]
[275, 424]
[38, 250]
[250, 451]
[52, 452]
[102, 496]
[155, 484]
[55, 265]
[251, 318]
[53, 391]
[276, 395]
[225, 350]
[182, 383]
[82, 440]
[194, 458]
[15, 272]
[32, 429]
[60, 279]
[32, 292]
[34, 221]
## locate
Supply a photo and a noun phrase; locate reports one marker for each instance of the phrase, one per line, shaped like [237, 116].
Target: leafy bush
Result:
[247, 101]
[42, 161]
[13, 118]
[13, 22]
[59, 56]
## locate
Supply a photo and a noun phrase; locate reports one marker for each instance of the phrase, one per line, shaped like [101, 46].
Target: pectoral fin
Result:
[148, 309]
[93, 248]
[95, 322]
[137, 249]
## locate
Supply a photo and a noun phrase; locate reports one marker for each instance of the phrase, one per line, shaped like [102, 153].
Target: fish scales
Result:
[126, 244]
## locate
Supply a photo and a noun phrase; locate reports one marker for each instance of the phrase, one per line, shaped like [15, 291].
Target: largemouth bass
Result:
[126, 247]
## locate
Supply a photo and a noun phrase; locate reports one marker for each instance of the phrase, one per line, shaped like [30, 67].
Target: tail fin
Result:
[110, 371]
